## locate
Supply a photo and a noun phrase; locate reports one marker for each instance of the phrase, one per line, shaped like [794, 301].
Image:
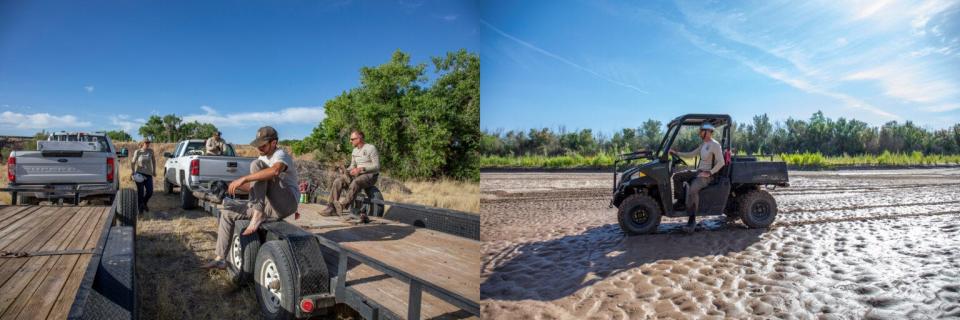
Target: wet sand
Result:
[880, 244]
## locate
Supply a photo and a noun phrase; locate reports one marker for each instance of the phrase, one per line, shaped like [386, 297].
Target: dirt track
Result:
[847, 244]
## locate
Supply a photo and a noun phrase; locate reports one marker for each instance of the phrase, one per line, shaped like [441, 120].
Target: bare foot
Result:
[254, 223]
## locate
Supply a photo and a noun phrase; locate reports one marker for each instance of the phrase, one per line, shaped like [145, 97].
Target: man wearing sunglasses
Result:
[709, 149]
[361, 174]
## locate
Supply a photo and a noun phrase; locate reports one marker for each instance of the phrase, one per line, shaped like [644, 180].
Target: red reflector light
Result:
[11, 169]
[109, 169]
[306, 305]
[195, 167]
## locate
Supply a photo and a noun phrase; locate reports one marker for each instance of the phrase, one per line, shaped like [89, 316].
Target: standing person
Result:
[362, 173]
[273, 189]
[144, 164]
[215, 145]
[709, 149]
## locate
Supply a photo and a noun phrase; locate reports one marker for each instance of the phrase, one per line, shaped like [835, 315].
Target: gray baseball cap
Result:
[264, 136]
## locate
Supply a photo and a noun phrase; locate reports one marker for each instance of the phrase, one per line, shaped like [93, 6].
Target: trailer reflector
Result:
[306, 305]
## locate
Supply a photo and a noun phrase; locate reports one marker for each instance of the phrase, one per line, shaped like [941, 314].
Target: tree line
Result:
[816, 134]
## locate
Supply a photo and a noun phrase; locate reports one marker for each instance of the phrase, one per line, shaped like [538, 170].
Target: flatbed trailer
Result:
[384, 269]
[68, 262]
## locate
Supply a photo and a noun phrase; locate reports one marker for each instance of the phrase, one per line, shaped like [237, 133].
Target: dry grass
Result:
[449, 194]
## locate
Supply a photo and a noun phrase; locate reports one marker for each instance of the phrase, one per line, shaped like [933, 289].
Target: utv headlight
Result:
[638, 175]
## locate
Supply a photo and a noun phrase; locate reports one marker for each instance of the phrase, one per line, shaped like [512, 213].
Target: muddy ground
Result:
[881, 244]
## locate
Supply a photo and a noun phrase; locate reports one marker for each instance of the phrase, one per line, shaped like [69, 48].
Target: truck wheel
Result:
[167, 186]
[187, 200]
[274, 279]
[242, 255]
[638, 214]
[373, 209]
[127, 208]
[757, 208]
[29, 201]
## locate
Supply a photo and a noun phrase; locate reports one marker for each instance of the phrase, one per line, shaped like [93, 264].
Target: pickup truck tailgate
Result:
[224, 168]
[43, 167]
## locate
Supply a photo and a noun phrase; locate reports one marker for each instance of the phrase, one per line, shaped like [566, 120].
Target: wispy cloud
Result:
[40, 121]
[89, 89]
[302, 115]
[561, 59]
[125, 123]
[450, 17]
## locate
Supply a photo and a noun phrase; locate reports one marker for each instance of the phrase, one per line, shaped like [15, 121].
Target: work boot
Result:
[327, 211]
[337, 207]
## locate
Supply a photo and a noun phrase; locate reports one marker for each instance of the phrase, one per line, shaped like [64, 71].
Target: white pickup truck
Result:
[188, 168]
[67, 166]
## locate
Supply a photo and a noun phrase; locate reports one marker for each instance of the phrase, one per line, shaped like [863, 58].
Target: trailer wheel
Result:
[127, 208]
[757, 208]
[187, 200]
[373, 209]
[242, 255]
[638, 214]
[29, 201]
[274, 279]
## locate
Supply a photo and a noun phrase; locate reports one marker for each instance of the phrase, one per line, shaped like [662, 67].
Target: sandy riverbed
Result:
[848, 244]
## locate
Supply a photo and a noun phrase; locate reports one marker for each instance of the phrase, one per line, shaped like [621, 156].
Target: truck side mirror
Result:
[122, 153]
[167, 155]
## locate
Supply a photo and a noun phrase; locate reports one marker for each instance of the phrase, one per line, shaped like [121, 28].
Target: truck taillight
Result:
[195, 167]
[11, 169]
[109, 169]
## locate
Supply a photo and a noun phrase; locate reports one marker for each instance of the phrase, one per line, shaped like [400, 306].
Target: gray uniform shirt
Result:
[215, 147]
[288, 178]
[144, 162]
[711, 156]
[365, 157]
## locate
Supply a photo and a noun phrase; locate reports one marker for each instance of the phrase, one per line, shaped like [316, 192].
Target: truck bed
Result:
[448, 261]
[47, 286]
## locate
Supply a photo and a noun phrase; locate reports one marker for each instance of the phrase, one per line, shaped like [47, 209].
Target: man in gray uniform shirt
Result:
[361, 174]
[711, 161]
[273, 188]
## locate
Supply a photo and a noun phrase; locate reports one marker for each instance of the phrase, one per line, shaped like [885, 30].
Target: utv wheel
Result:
[274, 278]
[757, 209]
[638, 214]
[242, 255]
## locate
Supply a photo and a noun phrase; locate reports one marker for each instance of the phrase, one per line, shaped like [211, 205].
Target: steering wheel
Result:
[676, 159]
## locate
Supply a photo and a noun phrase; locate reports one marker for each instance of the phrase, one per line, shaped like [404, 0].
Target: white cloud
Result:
[450, 17]
[89, 89]
[40, 121]
[943, 107]
[562, 59]
[126, 124]
[907, 83]
[245, 119]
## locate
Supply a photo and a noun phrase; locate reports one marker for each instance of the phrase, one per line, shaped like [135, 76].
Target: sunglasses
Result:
[352, 139]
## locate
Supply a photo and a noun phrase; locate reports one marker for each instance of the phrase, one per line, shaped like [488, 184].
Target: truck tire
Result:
[167, 186]
[757, 208]
[638, 214]
[242, 255]
[373, 209]
[274, 279]
[127, 208]
[28, 201]
[187, 200]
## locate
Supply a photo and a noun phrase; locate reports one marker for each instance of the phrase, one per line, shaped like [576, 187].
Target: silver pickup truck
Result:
[66, 166]
[188, 168]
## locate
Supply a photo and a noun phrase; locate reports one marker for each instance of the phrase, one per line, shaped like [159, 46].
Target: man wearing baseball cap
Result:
[273, 188]
[709, 149]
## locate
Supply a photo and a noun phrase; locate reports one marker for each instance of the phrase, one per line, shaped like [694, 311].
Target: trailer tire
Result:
[242, 255]
[275, 281]
[757, 208]
[127, 208]
[187, 200]
[638, 214]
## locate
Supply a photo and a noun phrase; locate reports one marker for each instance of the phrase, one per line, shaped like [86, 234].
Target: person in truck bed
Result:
[215, 146]
[273, 189]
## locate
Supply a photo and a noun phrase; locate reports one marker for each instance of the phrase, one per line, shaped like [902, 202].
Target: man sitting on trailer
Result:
[709, 149]
[361, 174]
[273, 189]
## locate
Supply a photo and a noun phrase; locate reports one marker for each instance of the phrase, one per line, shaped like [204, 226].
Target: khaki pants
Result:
[693, 193]
[268, 197]
[353, 186]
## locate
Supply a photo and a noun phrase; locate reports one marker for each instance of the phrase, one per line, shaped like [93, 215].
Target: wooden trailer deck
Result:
[63, 240]
[448, 261]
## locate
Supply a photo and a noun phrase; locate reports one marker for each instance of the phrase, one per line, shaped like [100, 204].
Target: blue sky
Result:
[103, 65]
[607, 65]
